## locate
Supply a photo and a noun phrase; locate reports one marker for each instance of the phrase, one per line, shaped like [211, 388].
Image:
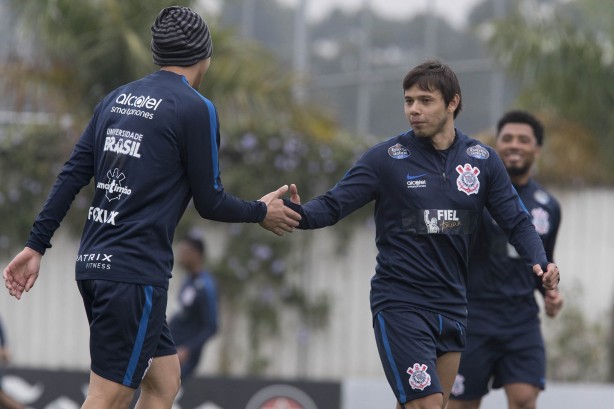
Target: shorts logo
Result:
[418, 377]
[478, 152]
[398, 151]
[468, 181]
[459, 385]
[541, 220]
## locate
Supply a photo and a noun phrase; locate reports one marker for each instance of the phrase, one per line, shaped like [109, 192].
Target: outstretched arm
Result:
[22, 272]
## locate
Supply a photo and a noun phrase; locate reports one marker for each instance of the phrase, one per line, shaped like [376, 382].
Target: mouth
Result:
[513, 157]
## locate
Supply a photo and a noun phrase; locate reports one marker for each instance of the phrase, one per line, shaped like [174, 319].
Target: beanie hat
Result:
[180, 37]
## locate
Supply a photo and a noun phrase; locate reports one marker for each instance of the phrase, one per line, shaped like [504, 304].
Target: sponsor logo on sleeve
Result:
[398, 151]
[478, 152]
[541, 197]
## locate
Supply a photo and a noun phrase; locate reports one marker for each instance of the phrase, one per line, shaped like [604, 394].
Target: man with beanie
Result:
[151, 147]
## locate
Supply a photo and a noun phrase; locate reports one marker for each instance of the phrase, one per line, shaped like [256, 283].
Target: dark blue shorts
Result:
[127, 328]
[409, 341]
[502, 359]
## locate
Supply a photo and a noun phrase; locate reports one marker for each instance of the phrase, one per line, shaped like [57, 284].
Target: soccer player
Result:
[504, 340]
[151, 147]
[429, 185]
[196, 321]
[6, 401]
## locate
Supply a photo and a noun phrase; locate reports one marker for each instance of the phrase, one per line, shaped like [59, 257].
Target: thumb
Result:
[281, 191]
[537, 269]
[294, 196]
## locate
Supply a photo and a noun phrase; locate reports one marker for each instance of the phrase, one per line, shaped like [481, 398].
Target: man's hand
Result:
[279, 218]
[551, 278]
[553, 303]
[22, 272]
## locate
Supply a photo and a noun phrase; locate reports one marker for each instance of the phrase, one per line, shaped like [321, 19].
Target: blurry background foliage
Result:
[64, 55]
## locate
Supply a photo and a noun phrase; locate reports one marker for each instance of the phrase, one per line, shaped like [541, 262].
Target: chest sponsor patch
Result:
[439, 221]
[398, 151]
[468, 180]
[478, 152]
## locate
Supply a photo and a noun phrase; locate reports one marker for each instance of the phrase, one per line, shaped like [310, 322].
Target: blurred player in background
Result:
[504, 340]
[151, 147]
[196, 321]
[6, 401]
[430, 186]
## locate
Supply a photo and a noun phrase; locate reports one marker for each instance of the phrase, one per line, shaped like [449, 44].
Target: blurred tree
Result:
[83, 50]
[562, 53]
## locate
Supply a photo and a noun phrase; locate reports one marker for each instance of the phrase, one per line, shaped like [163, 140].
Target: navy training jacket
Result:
[151, 146]
[428, 205]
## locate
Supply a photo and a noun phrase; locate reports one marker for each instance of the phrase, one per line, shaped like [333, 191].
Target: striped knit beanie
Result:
[180, 37]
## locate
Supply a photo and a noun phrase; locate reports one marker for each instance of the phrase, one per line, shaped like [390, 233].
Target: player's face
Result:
[187, 256]
[517, 146]
[427, 112]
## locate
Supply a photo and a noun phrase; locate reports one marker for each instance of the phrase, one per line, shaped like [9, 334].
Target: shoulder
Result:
[542, 196]
[395, 148]
[475, 149]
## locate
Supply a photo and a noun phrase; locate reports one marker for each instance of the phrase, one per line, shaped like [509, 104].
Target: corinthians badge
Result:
[468, 181]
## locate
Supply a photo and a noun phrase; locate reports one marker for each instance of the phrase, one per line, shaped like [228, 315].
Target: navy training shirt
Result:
[501, 288]
[151, 146]
[427, 208]
[197, 318]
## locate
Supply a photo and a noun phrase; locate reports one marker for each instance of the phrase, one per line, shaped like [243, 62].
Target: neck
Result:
[190, 73]
[444, 139]
[520, 180]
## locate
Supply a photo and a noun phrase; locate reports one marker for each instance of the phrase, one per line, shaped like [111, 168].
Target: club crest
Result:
[467, 180]
[419, 378]
[541, 220]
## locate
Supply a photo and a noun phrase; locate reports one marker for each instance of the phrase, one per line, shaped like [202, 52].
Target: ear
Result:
[454, 103]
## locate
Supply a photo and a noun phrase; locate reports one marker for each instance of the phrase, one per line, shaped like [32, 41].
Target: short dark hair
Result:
[523, 117]
[433, 75]
[196, 243]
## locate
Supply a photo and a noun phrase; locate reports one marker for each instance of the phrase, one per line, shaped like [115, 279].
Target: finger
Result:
[537, 269]
[291, 214]
[30, 283]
